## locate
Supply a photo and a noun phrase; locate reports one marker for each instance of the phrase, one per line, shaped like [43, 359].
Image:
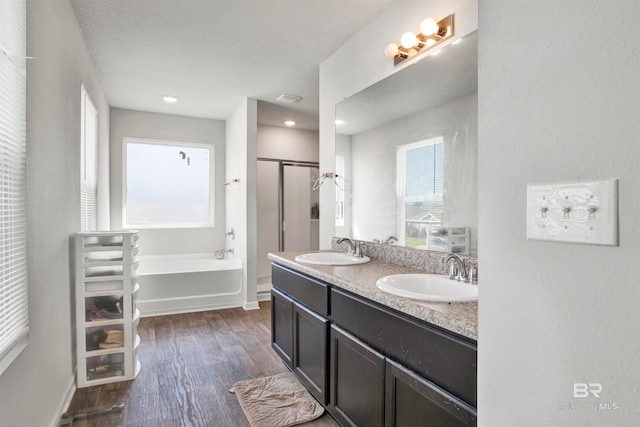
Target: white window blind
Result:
[88, 163]
[14, 319]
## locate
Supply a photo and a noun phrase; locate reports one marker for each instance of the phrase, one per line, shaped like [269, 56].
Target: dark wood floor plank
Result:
[189, 363]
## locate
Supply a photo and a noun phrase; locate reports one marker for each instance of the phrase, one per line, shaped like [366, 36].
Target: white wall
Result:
[361, 62]
[557, 103]
[374, 175]
[276, 142]
[34, 388]
[240, 198]
[139, 124]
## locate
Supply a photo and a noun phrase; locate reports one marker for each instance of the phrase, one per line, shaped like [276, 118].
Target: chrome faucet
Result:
[355, 248]
[457, 270]
[391, 240]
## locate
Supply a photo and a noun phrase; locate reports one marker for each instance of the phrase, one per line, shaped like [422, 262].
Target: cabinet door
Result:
[412, 401]
[357, 381]
[310, 350]
[446, 360]
[282, 326]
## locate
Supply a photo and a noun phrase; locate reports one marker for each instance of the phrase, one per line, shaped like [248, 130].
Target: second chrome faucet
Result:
[458, 271]
[355, 248]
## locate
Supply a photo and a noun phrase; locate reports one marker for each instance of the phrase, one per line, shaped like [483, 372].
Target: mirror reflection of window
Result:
[340, 193]
[420, 186]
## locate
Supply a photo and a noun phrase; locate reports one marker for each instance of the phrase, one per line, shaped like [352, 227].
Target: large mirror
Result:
[407, 150]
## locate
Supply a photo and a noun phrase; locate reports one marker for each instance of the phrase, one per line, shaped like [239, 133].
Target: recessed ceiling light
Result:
[339, 122]
[289, 123]
[289, 99]
[170, 99]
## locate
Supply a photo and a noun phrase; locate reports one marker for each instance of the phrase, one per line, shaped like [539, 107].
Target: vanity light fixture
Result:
[431, 34]
[170, 99]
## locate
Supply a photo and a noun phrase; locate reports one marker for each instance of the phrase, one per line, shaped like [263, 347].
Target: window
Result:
[339, 191]
[14, 316]
[88, 163]
[167, 184]
[420, 187]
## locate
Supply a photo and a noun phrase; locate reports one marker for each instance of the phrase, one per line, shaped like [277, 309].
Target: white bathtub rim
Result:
[225, 264]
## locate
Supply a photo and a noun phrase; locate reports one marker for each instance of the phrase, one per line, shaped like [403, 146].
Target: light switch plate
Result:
[576, 212]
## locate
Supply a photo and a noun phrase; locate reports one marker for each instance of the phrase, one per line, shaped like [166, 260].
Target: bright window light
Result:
[420, 175]
[167, 184]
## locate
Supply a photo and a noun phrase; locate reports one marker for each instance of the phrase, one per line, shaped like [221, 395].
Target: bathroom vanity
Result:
[371, 358]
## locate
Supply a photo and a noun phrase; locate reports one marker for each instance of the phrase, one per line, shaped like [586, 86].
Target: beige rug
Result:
[279, 400]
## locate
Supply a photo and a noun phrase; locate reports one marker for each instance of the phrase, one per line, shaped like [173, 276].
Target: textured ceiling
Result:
[213, 53]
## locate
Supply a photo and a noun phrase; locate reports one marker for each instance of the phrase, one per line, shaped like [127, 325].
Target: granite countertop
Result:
[458, 317]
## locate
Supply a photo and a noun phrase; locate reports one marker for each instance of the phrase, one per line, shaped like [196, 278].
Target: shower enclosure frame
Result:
[281, 165]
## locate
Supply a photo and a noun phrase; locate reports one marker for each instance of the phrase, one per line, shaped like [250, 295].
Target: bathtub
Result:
[171, 284]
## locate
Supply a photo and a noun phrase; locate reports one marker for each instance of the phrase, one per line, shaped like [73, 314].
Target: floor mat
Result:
[279, 400]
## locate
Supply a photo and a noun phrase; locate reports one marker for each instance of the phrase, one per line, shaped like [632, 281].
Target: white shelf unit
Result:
[448, 239]
[106, 274]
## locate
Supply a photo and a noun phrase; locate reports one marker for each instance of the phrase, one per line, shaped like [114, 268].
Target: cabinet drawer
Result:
[446, 360]
[308, 291]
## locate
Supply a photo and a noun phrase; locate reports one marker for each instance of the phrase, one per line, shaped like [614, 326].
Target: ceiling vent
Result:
[289, 99]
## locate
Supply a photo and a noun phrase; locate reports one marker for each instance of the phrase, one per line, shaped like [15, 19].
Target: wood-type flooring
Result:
[189, 363]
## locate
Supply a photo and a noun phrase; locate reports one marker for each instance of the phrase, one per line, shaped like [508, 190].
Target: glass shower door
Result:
[300, 208]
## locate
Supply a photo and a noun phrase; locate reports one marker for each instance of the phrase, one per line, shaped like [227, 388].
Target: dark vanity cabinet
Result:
[310, 350]
[412, 401]
[357, 381]
[282, 326]
[300, 328]
[368, 364]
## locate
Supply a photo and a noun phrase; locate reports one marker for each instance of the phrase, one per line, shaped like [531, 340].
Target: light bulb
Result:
[429, 27]
[290, 123]
[408, 40]
[391, 50]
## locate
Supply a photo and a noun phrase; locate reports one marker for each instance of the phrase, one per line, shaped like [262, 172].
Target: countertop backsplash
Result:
[421, 259]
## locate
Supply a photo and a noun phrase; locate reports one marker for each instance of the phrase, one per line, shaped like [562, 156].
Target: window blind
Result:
[88, 163]
[424, 170]
[14, 318]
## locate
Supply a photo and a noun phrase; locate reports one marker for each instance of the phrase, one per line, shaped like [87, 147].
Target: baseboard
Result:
[71, 390]
[253, 305]
[191, 304]
[264, 296]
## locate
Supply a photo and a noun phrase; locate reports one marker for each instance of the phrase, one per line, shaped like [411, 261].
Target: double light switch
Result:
[576, 212]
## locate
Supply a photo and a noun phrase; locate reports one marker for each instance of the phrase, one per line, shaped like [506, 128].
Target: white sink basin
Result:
[331, 258]
[428, 287]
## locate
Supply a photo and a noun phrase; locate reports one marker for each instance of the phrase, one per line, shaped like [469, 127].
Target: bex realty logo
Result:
[583, 390]
[588, 391]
